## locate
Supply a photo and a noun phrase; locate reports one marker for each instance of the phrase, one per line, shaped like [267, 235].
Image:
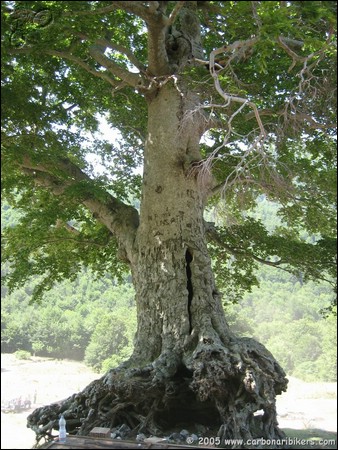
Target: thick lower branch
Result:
[97, 53]
[121, 219]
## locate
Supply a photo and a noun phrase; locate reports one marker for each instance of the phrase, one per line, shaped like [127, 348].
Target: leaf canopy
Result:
[67, 65]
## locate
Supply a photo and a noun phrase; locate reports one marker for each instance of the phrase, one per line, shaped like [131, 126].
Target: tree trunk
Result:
[175, 292]
[186, 364]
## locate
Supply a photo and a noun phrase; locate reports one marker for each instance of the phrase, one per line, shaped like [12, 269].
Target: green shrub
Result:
[22, 354]
[108, 339]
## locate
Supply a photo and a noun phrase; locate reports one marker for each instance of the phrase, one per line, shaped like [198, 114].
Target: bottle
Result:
[62, 429]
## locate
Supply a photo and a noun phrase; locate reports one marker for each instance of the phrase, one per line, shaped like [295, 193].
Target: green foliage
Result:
[116, 360]
[97, 321]
[107, 339]
[111, 341]
[41, 241]
[97, 317]
[55, 92]
[326, 363]
[258, 237]
[284, 314]
[22, 354]
[87, 319]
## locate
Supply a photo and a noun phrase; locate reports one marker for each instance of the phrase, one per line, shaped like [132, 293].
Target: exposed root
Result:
[233, 388]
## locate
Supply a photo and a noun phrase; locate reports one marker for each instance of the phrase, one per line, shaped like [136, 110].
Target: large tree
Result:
[216, 101]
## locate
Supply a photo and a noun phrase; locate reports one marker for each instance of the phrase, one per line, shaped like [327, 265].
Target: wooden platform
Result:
[88, 442]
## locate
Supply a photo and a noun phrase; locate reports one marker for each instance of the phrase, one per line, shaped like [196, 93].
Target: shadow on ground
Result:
[311, 438]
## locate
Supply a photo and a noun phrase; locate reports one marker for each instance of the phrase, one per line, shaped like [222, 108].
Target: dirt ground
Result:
[305, 406]
[45, 379]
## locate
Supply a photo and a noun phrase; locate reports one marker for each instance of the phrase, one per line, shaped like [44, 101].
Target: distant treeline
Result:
[85, 320]
[95, 319]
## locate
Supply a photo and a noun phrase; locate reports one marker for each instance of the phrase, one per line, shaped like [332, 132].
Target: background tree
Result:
[256, 80]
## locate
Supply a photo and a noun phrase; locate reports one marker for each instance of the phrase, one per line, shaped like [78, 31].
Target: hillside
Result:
[96, 316]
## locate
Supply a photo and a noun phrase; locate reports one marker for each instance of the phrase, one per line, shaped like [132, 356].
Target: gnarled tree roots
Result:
[232, 388]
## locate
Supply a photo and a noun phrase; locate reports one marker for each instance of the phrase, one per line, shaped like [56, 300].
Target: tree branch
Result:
[135, 7]
[174, 13]
[203, 168]
[70, 57]
[300, 116]
[120, 219]
[158, 64]
[77, 241]
[232, 98]
[235, 51]
[215, 237]
[125, 51]
[97, 53]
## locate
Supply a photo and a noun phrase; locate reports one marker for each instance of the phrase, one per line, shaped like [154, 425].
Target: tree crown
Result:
[265, 76]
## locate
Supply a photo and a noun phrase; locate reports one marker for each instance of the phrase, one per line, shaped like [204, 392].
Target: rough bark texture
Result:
[187, 365]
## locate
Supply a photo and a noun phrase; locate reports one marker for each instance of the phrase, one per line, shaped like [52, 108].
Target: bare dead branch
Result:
[255, 155]
[228, 97]
[297, 116]
[310, 86]
[199, 113]
[295, 58]
[258, 20]
[203, 168]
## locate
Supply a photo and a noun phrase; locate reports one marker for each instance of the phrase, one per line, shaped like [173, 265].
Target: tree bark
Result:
[186, 364]
[175, 291]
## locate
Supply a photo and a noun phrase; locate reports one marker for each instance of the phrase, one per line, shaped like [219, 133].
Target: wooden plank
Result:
[88, 442]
